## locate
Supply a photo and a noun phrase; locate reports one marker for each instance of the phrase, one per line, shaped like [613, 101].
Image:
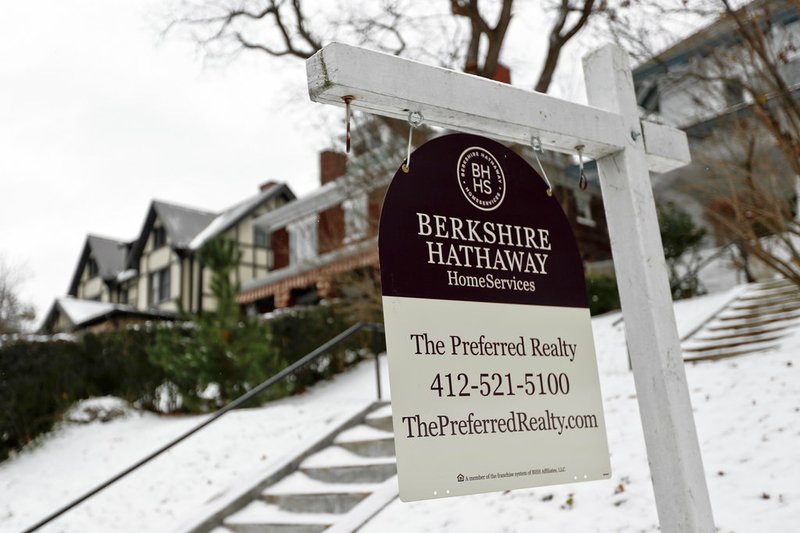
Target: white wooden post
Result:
[625, 149]
[672, 448]
[797, 197]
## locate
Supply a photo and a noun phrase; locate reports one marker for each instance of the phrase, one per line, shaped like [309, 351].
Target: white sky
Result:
[98, 116]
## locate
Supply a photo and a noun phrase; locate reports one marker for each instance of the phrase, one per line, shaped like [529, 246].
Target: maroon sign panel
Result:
[472, 221]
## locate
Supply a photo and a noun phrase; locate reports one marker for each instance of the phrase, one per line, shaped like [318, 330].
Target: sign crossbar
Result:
[390, 86]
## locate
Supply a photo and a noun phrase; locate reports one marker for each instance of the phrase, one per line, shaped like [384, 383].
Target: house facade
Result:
[159, 274]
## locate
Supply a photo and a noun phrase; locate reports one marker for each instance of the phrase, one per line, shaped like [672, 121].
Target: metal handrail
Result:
[241, 400]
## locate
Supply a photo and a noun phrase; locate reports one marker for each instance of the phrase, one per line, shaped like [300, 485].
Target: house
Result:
[325, 241]
[699, 84]
[159, 274]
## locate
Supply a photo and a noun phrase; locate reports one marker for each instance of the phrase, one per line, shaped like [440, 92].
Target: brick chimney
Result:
[266, 185]
[331, 166]
[502, 73]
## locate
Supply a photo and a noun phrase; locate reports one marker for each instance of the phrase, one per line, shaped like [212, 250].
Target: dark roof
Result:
[110, 255]
[188, 228]
[181, 223]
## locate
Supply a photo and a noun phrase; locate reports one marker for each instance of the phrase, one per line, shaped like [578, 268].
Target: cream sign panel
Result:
[491, 358]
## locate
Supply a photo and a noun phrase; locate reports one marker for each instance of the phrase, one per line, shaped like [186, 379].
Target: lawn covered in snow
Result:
[747, 412]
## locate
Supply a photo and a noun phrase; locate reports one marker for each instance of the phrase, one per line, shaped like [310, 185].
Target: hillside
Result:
[747, 411]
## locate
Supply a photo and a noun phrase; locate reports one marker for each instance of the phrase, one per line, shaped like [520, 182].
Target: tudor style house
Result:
[158, 274]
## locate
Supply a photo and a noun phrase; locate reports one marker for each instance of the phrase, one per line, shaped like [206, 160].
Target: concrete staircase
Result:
[755, 321]
[336, 485]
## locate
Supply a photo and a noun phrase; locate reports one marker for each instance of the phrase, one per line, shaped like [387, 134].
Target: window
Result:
[93, 269]
[159, 286]
[303, 240]
[733, 92]
[159, 237]
[356, 218]
[260, 239]
[583, 208]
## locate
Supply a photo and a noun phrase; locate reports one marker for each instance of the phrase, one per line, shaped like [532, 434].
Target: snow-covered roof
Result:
[81, 313]
[125, 275]
[78, 311]
[235, 213]
[329, 195]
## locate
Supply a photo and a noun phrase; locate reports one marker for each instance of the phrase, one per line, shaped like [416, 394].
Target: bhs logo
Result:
[481, 178]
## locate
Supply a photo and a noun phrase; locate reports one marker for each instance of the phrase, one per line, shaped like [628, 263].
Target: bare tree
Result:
[14, 312]
[741, 73]
[460, 33]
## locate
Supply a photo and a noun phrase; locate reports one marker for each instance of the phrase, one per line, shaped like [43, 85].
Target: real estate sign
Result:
[492, 365]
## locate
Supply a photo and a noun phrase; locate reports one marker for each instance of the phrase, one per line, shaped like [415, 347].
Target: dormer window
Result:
[260, 238]
[356, 217]
[92, 267]
[159, 237]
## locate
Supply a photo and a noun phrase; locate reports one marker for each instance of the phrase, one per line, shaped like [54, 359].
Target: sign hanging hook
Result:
[536, 144]
[415, 119]
[347, 99]
[582, 181]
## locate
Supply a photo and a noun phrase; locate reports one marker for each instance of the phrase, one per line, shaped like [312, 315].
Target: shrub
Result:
[40, 380]
[602, 294]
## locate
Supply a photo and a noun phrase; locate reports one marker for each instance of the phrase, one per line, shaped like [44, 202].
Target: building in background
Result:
[156, 275]
[705, 85]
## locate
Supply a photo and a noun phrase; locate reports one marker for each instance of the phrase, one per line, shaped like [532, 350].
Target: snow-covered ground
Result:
[747, 412]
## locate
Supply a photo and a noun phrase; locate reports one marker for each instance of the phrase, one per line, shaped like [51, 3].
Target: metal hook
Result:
[347, 99]
[536, 144]
[415, 120]
[582, 181]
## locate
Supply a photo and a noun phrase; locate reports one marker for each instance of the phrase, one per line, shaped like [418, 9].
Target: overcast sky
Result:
[99, 115]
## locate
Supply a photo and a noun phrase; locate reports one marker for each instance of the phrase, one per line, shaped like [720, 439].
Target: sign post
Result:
[625, 149]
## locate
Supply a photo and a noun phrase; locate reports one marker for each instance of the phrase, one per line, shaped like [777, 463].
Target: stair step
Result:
[769, 292]
[724, 354]
[765, 309]
[220, 529]
[744, 303]
[367, 441]
[755, 315]
[380, 418]
[722, 334]
[337, 465]
[733, 323]
[300, 493]
[697, 345]
[260, 517]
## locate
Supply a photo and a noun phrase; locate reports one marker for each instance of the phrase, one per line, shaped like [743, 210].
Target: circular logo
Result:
[481, 178]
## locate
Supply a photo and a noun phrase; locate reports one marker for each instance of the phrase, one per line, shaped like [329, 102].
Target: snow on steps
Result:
[755, 321]
[338, 483]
